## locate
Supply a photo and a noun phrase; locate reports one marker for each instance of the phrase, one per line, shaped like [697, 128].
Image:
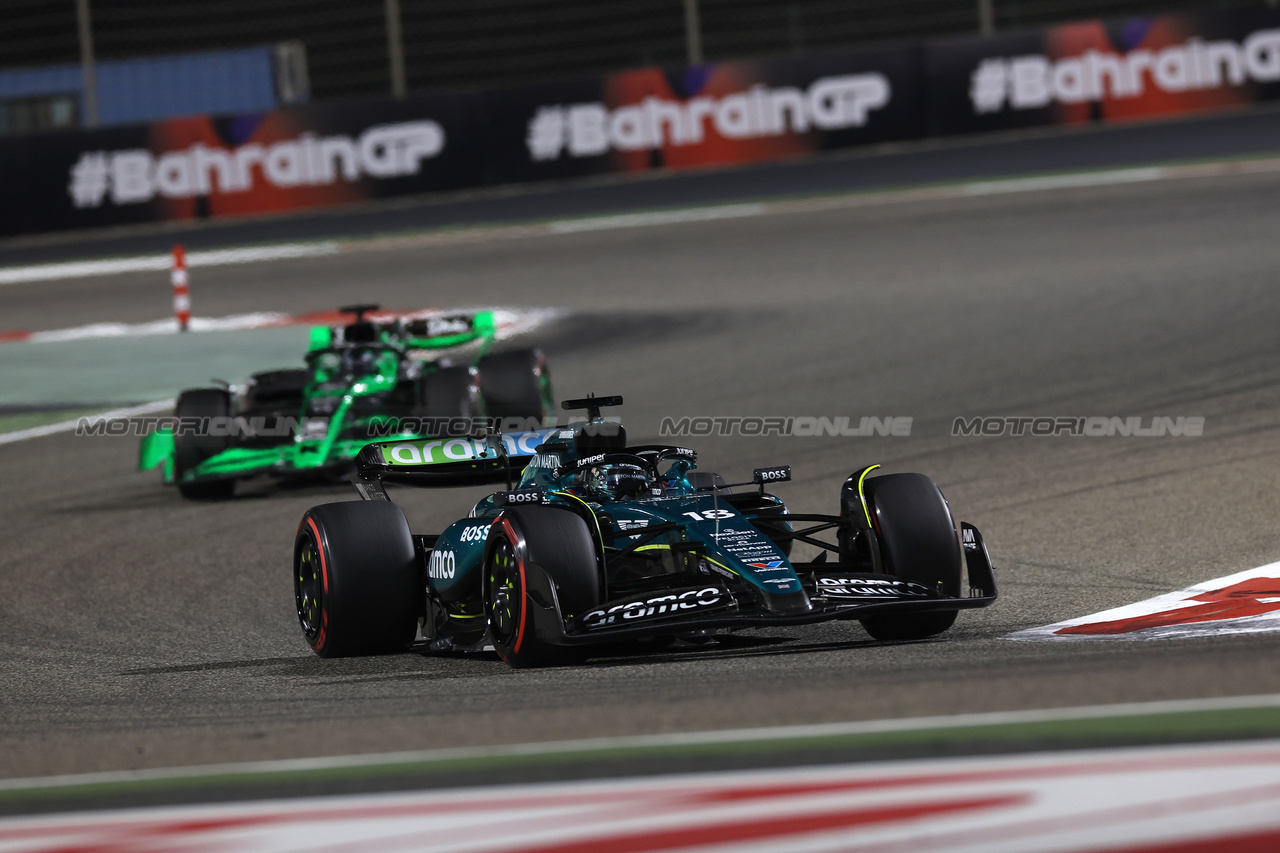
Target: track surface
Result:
[137, 629]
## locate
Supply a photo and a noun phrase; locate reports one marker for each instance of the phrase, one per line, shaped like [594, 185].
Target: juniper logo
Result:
[1079, 426]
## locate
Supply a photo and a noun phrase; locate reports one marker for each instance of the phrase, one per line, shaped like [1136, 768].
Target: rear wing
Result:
[448, 330]
[449, 461]
[439, 331]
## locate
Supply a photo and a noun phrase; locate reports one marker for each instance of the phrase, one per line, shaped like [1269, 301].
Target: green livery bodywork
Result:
[357, 389]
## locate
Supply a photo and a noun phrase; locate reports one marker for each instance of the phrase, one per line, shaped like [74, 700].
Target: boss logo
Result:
[442, 565]
[523, 496]
[772, 475]
[475, 533]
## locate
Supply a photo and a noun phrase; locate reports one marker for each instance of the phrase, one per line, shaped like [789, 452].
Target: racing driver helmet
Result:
[614, 481]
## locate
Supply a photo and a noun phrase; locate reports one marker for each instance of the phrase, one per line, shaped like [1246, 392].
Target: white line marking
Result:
[605, 744]
[509, 322]
[1057, 182]
[151, 263]
[68, 426]
[1242, 603]
[168, 326]
[660, 217]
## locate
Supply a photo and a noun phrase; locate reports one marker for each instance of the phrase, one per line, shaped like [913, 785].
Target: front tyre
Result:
[918, 543]
[198, 408]
[558, 541]
[355, 581]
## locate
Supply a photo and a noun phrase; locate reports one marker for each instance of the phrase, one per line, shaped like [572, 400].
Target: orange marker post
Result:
[181, 295]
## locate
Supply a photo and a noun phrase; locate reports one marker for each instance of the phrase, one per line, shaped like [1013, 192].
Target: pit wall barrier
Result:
[637, 120]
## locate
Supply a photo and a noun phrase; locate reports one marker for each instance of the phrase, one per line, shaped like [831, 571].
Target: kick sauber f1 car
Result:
[398, 377]
[600, 542]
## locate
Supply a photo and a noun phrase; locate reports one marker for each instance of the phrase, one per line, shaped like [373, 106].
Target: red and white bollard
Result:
[181, 295]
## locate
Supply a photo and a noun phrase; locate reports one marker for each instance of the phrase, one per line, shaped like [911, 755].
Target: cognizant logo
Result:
[588, 130]
[137, 175]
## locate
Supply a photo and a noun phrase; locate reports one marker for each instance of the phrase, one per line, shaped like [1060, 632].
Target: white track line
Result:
[510, 322]
[1058, 182]
[68, 426]
[169, 326]
[661, 217]
[153, 263]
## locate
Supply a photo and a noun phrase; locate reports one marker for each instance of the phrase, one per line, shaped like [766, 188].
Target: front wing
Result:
[715, 605]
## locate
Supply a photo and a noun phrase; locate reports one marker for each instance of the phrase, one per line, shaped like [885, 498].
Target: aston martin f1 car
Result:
[601, 542]
[403, 377]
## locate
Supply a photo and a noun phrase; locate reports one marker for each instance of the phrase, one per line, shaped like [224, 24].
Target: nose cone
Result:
[787, 603]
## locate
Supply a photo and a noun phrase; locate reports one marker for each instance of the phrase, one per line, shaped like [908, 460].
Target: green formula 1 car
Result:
[601, 542]
[404, 377]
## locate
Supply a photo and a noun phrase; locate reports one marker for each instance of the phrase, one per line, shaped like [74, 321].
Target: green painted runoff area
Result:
[104, 372]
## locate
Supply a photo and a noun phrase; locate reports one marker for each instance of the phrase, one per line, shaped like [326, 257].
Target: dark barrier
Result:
[725, 113]
[255, 163]
[1104, 71]
[649, 118]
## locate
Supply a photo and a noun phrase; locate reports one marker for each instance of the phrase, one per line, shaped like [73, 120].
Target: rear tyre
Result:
[355, 579]
[450, 392]
[279, 389]
[515, 384]
[918, 543]
[190, 448]
[558, 541]
[275, 396]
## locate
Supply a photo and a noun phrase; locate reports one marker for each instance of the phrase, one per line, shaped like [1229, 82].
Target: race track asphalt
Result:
[140, 630]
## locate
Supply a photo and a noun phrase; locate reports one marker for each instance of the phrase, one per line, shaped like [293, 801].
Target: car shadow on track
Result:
[162, 497]
[421, 665]
[213, 666]
[722, 648]
[307, 665]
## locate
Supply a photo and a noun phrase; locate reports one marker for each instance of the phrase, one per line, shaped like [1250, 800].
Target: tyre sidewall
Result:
[559, 541]
[190, 450]
[918, 543]
[917, 535]
[372, 584]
